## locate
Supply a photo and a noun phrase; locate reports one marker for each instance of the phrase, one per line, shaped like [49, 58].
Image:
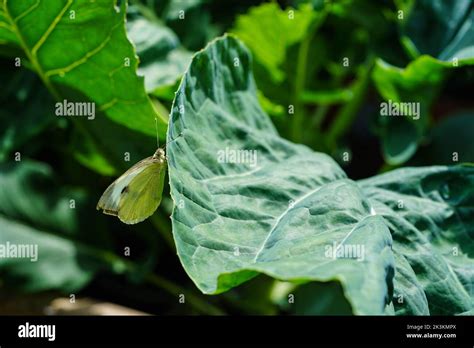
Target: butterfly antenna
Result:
[180, 134]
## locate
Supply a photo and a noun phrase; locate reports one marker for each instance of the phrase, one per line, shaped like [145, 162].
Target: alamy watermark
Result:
[408, 109]
[67, 108]
[241, 156]
[28, 330]
[345, 251]
[19, 251]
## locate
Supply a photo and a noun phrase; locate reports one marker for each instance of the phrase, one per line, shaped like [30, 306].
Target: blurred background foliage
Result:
[322, 69]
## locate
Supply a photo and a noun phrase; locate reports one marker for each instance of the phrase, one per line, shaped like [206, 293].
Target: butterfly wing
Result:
[143, 195]
[136, 194]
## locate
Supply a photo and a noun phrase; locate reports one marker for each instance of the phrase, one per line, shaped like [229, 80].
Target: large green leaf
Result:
[36, 210]
[98, 62]
[278, 217]
[430, 213]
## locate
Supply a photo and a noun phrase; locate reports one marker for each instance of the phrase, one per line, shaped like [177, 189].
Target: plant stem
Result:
[319, 116]
[345, 117]
[300, 79]
[298, 118]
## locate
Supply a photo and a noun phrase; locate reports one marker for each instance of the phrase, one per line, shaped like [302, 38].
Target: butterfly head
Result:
[159, 155]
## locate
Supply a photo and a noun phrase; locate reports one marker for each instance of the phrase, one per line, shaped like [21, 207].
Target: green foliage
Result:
[429, 211]
[295, 83]
[162, 60]
[233, 224]
[68, 254]
[442, 29]
[440, 36]
[229, 224]
[21, 94]
[98, 64]
[419, 82]
[269, 32]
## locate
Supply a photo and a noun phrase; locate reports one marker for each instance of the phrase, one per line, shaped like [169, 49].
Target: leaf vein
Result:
[50, 29]
[84, 59]
[27, 11]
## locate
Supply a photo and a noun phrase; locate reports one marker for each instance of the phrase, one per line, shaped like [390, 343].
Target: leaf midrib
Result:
[282, 215]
